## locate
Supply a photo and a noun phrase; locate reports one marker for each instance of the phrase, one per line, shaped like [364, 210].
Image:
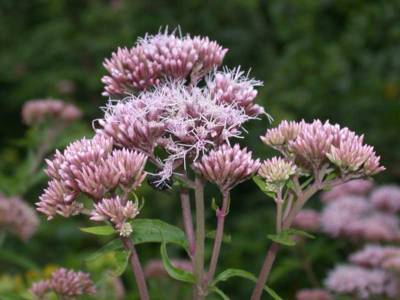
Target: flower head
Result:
[281, 135]
[117, 212]
[37, 111]
[386, 198]
[18, 217]
[276, 170]
[159, 57]
[374, 256]
[361, 282]
[227, 166]
[69, 283]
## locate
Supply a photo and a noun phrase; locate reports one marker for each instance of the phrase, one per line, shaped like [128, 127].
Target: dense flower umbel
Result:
[361, 282]
[117, 212]
[184, 122]
[18, 217]
[314, 144]
[90, 167]
[227, 166]
[276, 171]
[37, 111]
[313, 294]
[155, 58]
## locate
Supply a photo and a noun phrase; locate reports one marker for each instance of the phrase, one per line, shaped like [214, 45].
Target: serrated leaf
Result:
[263, 187]
[99, 230]
[225, 275]
[173, 271]
[220, 293]
[157, 231]
[226, 237]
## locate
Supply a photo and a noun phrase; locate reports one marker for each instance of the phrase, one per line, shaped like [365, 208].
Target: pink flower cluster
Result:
[375, 256]
[387, 198]
[91, 167]
[357, 187]
[64, 283]
[315, 144]
[156, 58]
[308, 220]
[355, 218]
[18, 217]
[37, 111]
[227, 166]
[361, 282]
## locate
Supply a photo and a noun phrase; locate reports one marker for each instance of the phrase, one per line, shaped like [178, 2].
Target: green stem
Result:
[200, 236]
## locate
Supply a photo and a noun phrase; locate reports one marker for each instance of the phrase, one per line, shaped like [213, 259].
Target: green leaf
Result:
[286, 236]
[121, 262]
[111, 246]
[157, 231]
[220, 293]
[226, 237]
[174, 272]
[99, 230]
[225, 275]
[263, 186]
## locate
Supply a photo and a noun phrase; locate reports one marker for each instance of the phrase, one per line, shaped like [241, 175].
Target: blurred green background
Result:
[336, 60]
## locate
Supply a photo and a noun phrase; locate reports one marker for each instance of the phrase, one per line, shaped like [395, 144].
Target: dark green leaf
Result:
[99, 230]
[263, 187]
[174, 272]
[157, 231]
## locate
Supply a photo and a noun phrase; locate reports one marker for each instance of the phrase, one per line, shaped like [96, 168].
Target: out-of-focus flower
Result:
[65, 283]
[386, 198]
[308, 220]
[360, 282]
[37, 111]
[233, 87]
[69, 283]
[313, 294]
[18, 217]
[40, 289]
[117, 212]
[281, 135]
[392, 263]
[155, 268]
[159, 57]
[337, 215]
[227, 166]
[374, 255]
[357, 187]
[276, 171]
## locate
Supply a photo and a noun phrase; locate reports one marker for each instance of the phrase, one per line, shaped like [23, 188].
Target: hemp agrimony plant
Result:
[171, 117]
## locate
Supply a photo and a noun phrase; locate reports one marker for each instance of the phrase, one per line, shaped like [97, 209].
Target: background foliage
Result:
[335, 60]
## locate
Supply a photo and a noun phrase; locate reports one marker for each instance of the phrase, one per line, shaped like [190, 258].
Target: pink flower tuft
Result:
[159, 57]
[67, 283]
[117, 212]
[227, 166]
[280, 136]
[40, 289]
[37, 111]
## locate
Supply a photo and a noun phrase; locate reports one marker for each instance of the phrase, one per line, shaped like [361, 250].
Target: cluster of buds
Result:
[37, 111]
[314, 145]
[66, 284]
[90, 167]
[227, 166]
[156, 58]
[117, 212]
[276, 172]
[18, 217]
